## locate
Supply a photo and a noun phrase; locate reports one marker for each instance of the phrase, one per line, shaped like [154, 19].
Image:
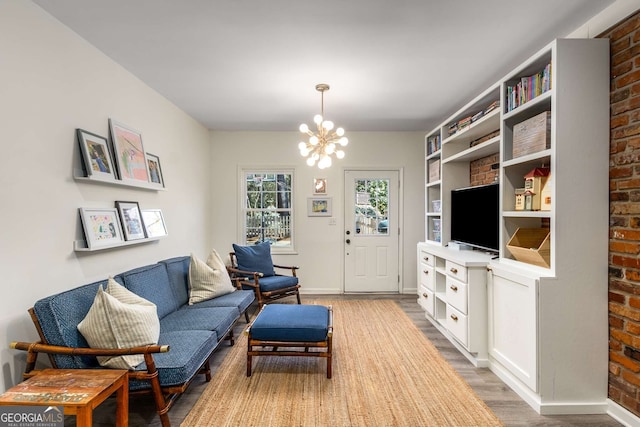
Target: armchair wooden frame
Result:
[252, 279]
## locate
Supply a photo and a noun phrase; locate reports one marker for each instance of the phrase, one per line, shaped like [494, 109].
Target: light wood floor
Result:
[505, 403]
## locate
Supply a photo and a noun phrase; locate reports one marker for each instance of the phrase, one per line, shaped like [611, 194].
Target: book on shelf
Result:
[433, 144]
[528, 87]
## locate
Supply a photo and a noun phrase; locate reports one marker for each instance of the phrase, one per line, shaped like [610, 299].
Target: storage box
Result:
[434, 170]
[532, 135]
[531, 245]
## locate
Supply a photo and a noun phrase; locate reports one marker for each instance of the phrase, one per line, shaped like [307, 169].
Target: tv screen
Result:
[475, 216]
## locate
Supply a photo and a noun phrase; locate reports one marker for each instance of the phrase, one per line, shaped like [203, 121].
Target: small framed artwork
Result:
[319, 185]
[154, 222]
[96, 155]
[154, 170]
[129, 153]
[319, 206]
[101, 227]
[131, 218]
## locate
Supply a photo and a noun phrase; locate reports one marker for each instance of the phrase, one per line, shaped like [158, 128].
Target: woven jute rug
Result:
[385, 373]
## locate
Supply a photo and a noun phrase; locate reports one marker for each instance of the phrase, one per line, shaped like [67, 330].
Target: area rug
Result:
[385, 373]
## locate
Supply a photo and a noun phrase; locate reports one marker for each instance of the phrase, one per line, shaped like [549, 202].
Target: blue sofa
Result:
[189, 334]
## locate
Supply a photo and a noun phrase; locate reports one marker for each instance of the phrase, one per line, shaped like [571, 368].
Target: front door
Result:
[371, 231]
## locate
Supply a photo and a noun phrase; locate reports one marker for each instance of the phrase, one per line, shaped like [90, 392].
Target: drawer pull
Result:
[426, 259]
[454, 317]
[426, 271]
[454, 288]
[454, 270]
[426, 295]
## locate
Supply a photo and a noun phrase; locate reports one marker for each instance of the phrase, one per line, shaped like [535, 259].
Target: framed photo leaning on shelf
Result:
[154, 222]
[131, 218]
[101, 227]
[129, 153]
[154, 170]
[96, 156]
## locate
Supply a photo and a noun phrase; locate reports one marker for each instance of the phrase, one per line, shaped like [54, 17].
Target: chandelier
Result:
[325, 141]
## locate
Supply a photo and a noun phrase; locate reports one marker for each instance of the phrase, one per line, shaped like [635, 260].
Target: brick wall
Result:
[624, 233]
[481, 171]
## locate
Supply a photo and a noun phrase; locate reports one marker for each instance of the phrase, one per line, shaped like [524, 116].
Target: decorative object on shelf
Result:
[531, 245]
[319, 185]
[532, 135]
[101, 227]
[154, 170]
[519, 199]
[436, 206]
[129, 152]
[131, 217]
[319, 206]
[434, 170]
[323, 143]
[534, 182]
[154, 222]
[96, 155]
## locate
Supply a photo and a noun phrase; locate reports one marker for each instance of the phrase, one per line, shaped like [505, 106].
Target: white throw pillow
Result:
[118, 318]
[208, 280]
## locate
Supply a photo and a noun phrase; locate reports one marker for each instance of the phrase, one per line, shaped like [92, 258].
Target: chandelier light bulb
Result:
[323, 141]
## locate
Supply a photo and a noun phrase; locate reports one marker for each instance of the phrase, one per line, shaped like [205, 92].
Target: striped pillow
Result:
[118, 318]
[208, 280]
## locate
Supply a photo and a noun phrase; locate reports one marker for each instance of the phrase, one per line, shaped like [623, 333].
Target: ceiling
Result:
[393, 65]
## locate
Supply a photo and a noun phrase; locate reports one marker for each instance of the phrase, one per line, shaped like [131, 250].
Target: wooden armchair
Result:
[252, 268]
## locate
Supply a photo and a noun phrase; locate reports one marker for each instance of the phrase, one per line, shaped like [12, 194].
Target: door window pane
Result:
[371, 207]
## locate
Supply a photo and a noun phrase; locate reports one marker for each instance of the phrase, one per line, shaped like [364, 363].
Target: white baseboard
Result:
[622, 415]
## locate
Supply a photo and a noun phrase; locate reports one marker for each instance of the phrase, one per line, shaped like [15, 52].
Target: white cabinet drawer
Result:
[427, 276]
[457, 324]
[457, 294]
[427, 258]
[426, 299]
[456, 270]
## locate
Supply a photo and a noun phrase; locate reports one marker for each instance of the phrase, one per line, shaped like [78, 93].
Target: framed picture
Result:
[96, 155]
[319, 206]
[128, 152]
[319, 185]
[131, 218]
[154, 223]
[101, 227]
[154, 170]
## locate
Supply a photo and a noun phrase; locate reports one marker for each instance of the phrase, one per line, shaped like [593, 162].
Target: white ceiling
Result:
[393, 65]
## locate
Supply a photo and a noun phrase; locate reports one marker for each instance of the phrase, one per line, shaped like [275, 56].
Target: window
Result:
[267, 211]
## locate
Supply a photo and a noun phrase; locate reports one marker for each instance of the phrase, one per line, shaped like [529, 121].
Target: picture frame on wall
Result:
[319, 185]
[132, 223]
[319, 206]
[154, 222]
[96, 155]
[154, 170]
[101, 227]
[129, 153]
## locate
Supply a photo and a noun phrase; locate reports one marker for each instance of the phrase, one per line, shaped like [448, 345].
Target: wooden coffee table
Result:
[79, 391]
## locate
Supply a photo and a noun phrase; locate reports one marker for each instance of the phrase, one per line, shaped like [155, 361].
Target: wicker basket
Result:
[531, 245]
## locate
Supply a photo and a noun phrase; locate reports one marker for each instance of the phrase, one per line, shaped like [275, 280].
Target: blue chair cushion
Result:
[255, 258]
[291, 322]
[188, 351]
[239, 299]
[275, 283]
[218, 319]
[178, 271]
[151, 282]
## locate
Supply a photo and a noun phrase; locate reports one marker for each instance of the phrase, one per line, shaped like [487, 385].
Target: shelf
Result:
[534, 159]
[477, 129]
[526, 214]
[536, 105]
[79, 176]
[433, 184]
[435, 155]
[479, 151]
[81, 245]
[434, 214]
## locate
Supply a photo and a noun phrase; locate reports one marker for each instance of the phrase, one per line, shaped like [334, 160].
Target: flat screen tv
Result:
[475, 216]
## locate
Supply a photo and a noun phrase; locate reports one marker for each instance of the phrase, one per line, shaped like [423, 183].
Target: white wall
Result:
[52, 82]
[319, 245]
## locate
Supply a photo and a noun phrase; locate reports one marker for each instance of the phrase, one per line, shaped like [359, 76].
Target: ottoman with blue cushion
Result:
[291, 330]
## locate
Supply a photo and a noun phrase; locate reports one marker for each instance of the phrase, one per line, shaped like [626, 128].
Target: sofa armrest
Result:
[37, 347]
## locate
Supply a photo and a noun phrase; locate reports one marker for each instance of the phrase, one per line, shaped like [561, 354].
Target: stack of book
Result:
[495, 104]
[528, 88]
[464, 123]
